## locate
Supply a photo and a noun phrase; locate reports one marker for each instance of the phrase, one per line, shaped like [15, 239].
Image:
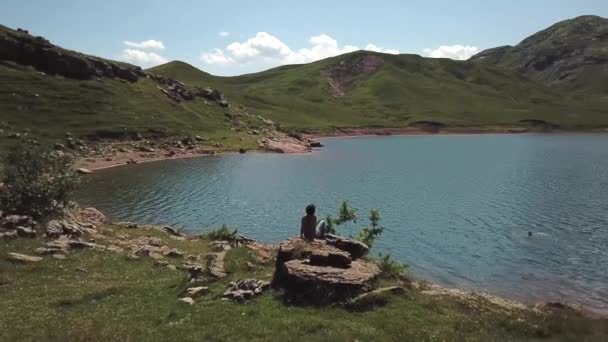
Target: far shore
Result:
[134, 157]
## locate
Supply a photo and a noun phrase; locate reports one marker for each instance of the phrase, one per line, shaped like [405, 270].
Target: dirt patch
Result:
[340, 75]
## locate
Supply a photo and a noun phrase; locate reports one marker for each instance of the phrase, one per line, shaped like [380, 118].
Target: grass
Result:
[96, 296]
[406, 89]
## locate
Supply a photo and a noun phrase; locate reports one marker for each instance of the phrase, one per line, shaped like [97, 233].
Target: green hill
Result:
[373, 89]
[571, 55]
[48, 91]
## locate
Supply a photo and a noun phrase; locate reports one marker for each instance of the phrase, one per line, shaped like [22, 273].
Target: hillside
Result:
[373, 89]
[571, 55]
[48, 91]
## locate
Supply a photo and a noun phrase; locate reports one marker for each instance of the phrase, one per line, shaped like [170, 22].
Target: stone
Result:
[82, 170]
[246, 289]
[23, 258]
[221, 245]
[357, 249]
[8, 235]
[186, 300]
[171, 231]
[154, 241]
[215, 264]
[174, 253]
[25, 232]
[377, 297]
[59, 256]
[318, 272]
[90, 215]
[315, 143]
[14, 221]
[330, 258]
[198, 291]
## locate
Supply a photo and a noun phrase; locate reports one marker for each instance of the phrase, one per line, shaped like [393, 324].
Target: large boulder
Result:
[318, 272]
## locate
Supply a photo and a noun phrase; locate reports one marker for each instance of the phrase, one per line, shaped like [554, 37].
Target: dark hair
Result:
[310, 209]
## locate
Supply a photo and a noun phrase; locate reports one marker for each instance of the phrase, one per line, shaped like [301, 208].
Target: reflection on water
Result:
[458, 208]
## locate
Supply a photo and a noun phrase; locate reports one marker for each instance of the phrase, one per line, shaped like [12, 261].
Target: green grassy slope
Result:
[104, 296]
[405, 89]
[49, 106]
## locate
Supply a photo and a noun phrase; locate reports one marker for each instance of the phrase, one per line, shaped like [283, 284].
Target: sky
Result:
[233, 37]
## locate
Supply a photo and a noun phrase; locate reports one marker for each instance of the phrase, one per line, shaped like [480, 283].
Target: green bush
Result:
[37, 182]
[370, 233]
[223, 233]
[390, 267]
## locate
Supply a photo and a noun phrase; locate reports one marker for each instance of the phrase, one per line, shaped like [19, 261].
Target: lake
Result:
[457, 208]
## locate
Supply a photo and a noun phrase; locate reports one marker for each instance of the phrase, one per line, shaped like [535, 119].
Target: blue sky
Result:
[232, 37]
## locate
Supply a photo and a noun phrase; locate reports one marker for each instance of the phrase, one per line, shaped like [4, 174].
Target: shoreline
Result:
[288, 145]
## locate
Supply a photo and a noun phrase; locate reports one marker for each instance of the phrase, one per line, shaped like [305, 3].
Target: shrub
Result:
[370, 233]
[223, 233]
[38, 182]
[390, 267]
[345, 214]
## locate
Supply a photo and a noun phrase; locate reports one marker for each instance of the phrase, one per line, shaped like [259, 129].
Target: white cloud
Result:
[142, 58]
[264, 49]
[223, 34]
[216, 56]
[146, 44]
[458, 52]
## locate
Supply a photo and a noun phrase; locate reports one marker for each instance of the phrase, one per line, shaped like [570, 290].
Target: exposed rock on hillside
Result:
[23, 48]
[572, 53]
[341, 74]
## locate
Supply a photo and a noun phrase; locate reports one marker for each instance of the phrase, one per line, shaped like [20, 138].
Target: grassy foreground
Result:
[105, 296]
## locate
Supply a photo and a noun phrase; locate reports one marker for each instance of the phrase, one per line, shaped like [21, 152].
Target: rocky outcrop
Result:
[320, 272]
[246, 289]
[340, 75]
[25, 49]
[571, 54]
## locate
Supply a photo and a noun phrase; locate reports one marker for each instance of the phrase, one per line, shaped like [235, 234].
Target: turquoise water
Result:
[457, 208]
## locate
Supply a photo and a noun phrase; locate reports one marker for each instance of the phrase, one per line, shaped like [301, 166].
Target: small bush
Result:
[223, 233]
[36, 182]
[390, 267]
[369, 234]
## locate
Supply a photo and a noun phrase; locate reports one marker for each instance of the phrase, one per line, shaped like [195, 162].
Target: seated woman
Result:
[309, 229]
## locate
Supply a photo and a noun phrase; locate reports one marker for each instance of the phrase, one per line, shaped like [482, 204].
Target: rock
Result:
[14, 221]
[90, 215]
[59, 256]
[315, 143]
[25, 232]
[246, 289]
[174, 253]
[221, 245]
[215, 264]
[8, 235]
[171, 231]
[378, 297]
[55, 228]
[198, 291]
[357, 249]
[83, 171]
[330, 258]
[186, 300]
[154, 241]
[23, 258]
[319, 272]
[199, 138]
[242, 150]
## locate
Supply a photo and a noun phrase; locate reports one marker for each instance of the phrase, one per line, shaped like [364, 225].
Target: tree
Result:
[37, 182]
